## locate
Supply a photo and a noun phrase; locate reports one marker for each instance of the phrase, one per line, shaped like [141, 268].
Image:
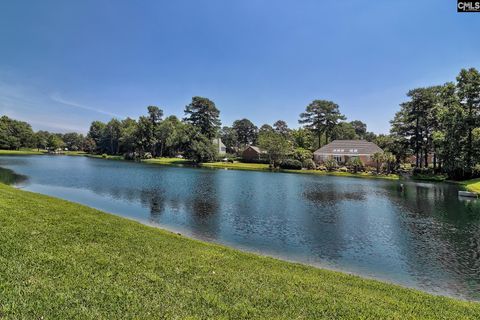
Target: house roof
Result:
[349, 147]
[257, 149]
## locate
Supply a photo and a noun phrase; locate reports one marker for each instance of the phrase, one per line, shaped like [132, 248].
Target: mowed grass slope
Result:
[60, 260]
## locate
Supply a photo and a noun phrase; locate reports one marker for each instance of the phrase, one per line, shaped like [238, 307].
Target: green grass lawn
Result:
[236, 165]
[99, 156]
[60, 260]
[21, 152]
[472, 185]
[348, 174]
[167, 161]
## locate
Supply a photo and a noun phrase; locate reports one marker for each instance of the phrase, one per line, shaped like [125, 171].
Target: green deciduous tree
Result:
[246, 131]
[276, 146]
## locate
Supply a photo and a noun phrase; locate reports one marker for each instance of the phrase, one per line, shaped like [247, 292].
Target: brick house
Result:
[253, 153]
[343, 150]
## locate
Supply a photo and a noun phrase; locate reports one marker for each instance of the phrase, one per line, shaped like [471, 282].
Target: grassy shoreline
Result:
[64, 260]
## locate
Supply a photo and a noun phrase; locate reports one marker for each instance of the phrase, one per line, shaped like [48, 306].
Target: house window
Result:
[337, 158]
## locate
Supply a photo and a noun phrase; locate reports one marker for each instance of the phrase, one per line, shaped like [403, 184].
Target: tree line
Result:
[154, 135]
[438, 127]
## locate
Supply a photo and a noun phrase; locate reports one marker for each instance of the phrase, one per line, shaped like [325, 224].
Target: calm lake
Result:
[423, 236]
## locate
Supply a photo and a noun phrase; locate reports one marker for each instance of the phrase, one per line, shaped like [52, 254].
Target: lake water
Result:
[421, 236]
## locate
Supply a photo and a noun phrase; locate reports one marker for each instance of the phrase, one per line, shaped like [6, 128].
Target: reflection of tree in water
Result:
[9, 177]
[322, 196]
[153, 199]
[446, 232]
[204, 203]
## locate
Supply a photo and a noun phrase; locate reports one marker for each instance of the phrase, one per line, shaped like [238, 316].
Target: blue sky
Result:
[64, 64]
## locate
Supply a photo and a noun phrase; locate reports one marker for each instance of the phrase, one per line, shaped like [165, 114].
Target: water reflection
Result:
[421, 235]
[9, 177]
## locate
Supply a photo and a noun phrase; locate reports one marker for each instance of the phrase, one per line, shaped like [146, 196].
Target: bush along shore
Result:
[61, 260]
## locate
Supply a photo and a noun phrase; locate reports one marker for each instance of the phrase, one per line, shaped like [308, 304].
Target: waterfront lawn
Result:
[61, 260]
[100, 156]
[21, 152]
[167, 161]
[236, 165]
[472, 185]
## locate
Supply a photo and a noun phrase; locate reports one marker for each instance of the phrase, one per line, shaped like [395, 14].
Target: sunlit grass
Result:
[236, 165]
[166, 161]
[21, 152]
[472, 185]
[61, 260]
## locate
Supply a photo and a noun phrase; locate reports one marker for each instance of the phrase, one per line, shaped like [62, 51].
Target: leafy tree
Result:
[468, 86]
[73, 141]
[97, 134]
[386, 142]
[276, 146]
[229, 138]
[127, 139]
[265, 128]
[321, 117]
[15, 134]
[54, 142]
[89, 145]
[246, 131]
[155, 114]
[360, 128]
[203, 114]
[199, 147]
[417, 120]
[145, 135]
[281, 127]
[302, 154]
[41, 139]
[303, 138]
[344, 131]
[172, 134]
[112, 135]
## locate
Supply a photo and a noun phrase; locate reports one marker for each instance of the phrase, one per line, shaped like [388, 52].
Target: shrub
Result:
[291, 164]
[322, 168]
[309, 164]
[343, 169]
[104, 155]
[331, 164]
[355, 164]
[302, 154]
[147, 155]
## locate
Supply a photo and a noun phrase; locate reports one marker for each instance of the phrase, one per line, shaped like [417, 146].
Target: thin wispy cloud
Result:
[57, 98]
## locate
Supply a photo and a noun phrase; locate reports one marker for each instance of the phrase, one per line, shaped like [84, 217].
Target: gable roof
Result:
[257, 149]
[349, 147]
